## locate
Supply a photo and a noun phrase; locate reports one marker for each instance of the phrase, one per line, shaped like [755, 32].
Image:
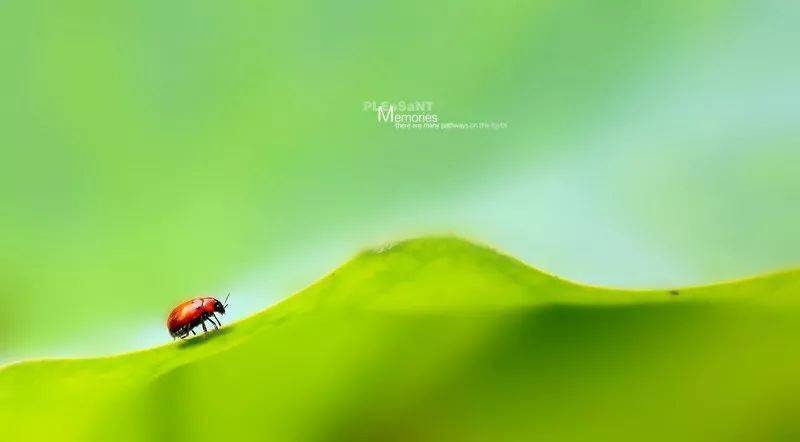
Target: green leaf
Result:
[441, 339]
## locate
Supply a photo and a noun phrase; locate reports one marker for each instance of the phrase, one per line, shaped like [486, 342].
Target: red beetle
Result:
[189, 314]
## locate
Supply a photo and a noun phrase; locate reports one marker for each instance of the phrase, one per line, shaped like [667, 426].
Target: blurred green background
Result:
[153, 151]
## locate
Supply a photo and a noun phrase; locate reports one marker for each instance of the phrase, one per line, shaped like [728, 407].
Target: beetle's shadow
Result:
[203, 338]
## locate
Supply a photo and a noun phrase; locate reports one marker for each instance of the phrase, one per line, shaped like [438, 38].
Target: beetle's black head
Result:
[219, 308]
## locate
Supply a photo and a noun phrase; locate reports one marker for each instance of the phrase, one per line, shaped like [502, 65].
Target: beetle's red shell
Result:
[189, 314]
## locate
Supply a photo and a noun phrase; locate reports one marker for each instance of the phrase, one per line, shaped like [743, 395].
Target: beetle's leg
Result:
[213, 323]
[211, 318]
[215, 317]
[205, 330]
[193, 333]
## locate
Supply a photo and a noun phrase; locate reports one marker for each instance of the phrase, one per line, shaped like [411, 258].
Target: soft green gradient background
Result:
[153, 151]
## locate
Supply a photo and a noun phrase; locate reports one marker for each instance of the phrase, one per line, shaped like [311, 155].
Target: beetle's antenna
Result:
[226, 300]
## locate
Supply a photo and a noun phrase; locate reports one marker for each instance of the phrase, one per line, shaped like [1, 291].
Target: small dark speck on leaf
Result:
[674, 292]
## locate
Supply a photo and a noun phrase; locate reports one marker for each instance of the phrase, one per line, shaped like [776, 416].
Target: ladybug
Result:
[189, 314]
